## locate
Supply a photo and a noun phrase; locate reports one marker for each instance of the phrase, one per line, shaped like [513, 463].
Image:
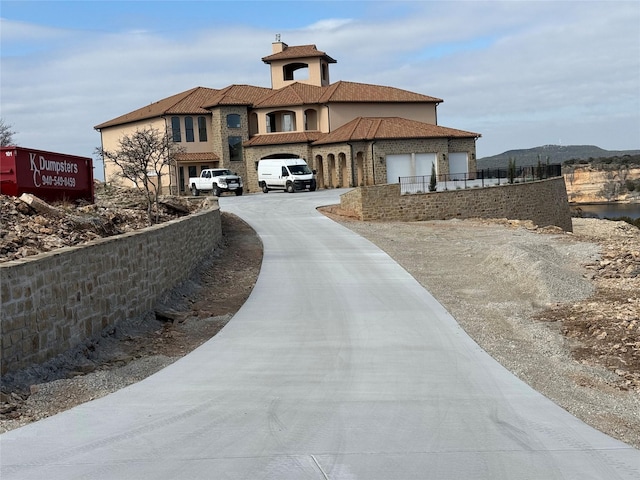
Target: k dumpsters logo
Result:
[52, 173]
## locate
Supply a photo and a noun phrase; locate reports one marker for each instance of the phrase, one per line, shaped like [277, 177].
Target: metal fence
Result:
[479, 179]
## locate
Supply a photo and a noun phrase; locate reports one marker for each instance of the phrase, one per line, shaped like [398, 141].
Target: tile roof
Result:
[299, 51]
[362, 92]
[197, 157]
[187, 102]
[282, 138]
[237, 95]
[377, 128]
[294, 94]
[197, 100]
[340, 92]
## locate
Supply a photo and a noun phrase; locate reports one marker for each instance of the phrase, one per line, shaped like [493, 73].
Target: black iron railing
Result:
[479, 179]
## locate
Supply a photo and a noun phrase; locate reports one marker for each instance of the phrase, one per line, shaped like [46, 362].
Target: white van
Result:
[289, 174]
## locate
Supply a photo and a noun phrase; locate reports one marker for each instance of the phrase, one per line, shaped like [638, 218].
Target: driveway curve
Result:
[339, 366]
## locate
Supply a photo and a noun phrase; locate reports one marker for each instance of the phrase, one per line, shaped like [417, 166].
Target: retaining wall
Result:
[544, 202]
[54, 301]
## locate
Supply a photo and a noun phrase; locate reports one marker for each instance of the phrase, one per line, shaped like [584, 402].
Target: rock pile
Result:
[26, 231]
[605, 329]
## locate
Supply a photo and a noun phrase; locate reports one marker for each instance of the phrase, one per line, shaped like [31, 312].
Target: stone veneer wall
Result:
[543, 202]
[54, 301]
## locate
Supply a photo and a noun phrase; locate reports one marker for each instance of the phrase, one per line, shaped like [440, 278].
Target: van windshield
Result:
[299, 169]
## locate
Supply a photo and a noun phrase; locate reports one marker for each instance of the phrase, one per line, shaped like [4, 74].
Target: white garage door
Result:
[458, 165]
[424, 161]
[398, 166]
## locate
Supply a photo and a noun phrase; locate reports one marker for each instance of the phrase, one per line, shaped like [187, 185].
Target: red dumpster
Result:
[47, 175]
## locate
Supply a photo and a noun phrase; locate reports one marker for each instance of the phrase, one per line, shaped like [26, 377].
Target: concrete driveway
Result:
[339, 366]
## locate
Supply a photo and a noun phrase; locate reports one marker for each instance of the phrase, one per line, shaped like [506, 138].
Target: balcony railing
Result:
[480, 179]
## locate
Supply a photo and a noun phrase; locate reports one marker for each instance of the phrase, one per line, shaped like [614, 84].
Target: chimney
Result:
[278, 46]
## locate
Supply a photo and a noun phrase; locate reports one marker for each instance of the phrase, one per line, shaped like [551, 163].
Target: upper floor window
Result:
[233, 120]
[235, 149]
[202, 129]
[175, 129]
[281, 121]
[271, 123]
[288, 122]
[188, 129]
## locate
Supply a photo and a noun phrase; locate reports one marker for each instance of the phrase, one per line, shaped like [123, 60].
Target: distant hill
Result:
[555, 154]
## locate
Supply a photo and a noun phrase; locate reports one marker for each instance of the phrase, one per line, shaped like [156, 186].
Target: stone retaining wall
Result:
[543, 202]
[54, 301]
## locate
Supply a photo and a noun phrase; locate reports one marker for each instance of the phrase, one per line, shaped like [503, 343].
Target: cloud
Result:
[520, 73]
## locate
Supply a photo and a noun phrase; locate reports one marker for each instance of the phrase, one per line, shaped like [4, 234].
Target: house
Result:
[352, 134]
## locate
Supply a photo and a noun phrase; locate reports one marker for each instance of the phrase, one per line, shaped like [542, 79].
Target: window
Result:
[175, 129]
[235, 149]
[271, 123]
[188, 129]
[233, 120]
[193, 171]
[288, 122]
[202, 129]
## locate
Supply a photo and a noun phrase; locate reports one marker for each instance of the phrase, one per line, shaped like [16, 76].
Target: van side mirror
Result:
[314, 172]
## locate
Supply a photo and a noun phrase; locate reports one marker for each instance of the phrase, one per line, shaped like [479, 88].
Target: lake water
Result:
[609, 210]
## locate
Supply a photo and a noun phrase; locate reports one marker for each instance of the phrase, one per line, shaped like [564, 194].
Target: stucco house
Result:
[352, 134]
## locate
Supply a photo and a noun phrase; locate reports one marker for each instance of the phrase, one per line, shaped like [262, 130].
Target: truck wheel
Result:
[216, 191]
[194, 191]
[265, 189]
[290, 187]
[238, 192]
[312, 186]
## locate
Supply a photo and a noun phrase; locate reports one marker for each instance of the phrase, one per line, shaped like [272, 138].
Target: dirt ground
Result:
[561, 311]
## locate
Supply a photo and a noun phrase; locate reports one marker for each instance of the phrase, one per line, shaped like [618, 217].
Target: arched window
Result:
[233, 120]
[202, 129]
[188, 129]
[175, 129]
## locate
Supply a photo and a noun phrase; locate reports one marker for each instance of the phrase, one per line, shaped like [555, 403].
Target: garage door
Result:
[424, 162]
[398, 166]
[458, 165]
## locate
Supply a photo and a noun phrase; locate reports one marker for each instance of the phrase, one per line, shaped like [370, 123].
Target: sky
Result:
[521, 73]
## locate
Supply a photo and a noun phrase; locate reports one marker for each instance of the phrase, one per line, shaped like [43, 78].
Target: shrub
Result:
[433, 181]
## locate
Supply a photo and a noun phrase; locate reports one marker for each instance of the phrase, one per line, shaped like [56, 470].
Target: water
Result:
[609, 210]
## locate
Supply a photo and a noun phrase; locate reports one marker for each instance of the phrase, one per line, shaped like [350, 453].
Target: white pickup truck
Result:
[216, 180]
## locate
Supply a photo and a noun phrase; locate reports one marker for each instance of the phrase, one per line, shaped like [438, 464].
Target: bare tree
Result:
[142, 158]
[6, 134]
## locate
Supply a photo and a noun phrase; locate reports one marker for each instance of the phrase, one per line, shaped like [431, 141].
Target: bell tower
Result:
[303, 64]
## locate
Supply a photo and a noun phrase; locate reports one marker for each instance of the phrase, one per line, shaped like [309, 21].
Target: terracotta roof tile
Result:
[237, 95]
[282, 138]
[193, 103]
[294, 94]
[351, 92]
[197, 157]
[299, 51]
[377, 128]
[190, 101]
